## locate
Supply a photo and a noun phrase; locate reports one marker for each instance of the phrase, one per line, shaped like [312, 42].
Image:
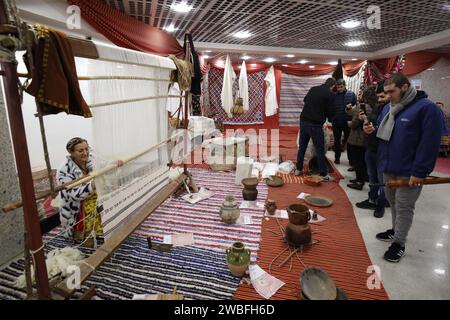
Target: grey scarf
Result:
[387, 125]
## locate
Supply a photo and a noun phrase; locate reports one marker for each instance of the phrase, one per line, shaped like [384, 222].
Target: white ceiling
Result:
[308, 29]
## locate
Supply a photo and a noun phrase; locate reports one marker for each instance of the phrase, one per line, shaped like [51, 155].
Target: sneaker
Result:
[351, 169]
[356, 186]
[327, 178]
[355, 181]
[298, 173]
[387, 236]
[337, 161]
[378, 213]
[366, 204]
[395, 252]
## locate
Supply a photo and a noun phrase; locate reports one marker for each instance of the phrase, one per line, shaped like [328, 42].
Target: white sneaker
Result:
[327, 178]
[298, 173]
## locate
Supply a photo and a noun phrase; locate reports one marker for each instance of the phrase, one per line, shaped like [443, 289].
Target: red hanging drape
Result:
[126, 31]
[352, 68]
[417, 62]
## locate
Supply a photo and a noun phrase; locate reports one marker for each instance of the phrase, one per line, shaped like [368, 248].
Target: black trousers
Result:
[358, 158]
[337, 133]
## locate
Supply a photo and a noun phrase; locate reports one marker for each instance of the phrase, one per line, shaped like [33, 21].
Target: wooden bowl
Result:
[313, 181]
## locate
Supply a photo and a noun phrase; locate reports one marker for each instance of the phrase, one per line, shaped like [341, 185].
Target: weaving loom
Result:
[127, 94]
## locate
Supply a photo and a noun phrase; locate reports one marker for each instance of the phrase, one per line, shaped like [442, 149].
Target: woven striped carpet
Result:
[341, 251]
[203, 220]
[198, 273]
[293, 91]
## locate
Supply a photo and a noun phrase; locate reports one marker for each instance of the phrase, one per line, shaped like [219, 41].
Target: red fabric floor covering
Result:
[341, 251]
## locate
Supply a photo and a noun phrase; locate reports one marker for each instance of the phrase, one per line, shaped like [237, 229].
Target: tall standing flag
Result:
[229, 76]
[271, 93]
[338, 73]
[243, 86]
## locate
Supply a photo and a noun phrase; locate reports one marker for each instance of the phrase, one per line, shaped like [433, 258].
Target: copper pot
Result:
[298, 214]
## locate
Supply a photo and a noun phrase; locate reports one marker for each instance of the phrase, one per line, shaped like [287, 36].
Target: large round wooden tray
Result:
[318, 201]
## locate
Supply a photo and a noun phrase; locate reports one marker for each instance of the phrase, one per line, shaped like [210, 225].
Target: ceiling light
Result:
[445, 226]
[242, 34]
[350, 24]
[284, 65]
[333, 63]
[354, 59]
[207, 51]
[245, 57]
[439, 245]
[312, 67]
[205, 56]
[182, 7]
[290, 56]
[354, 43]
[440, 271]
[269, 60]
[303, 61]
[171, 28]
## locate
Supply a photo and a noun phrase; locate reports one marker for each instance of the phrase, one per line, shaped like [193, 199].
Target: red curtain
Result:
[352, 68]
[126, 31]
[301, 70]
[385, 65]
[417, 62]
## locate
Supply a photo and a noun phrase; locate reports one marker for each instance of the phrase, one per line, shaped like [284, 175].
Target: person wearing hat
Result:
[78, 209]
[343, 100]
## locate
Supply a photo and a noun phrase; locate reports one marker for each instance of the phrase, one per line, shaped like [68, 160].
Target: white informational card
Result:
[265, 284]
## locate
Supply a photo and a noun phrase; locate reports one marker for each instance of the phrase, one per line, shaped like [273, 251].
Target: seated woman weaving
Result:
[78, 212]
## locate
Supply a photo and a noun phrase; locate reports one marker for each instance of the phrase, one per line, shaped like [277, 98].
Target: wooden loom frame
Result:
[85, 49]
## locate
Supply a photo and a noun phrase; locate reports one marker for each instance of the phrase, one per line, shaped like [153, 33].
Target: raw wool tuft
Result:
[57, 262]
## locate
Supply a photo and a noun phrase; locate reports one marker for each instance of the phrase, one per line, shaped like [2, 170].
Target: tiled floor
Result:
[424, 272]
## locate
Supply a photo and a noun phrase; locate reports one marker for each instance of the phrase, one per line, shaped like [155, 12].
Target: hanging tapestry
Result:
[293, 91]
[256, 98]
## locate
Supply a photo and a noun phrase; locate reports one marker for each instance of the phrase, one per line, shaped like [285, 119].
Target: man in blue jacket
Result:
[409, 131]
[343, 100]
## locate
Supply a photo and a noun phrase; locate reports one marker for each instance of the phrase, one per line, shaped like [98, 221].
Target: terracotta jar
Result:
[250, 193]
[229, 211]
[271, 206]
[298, 231]
[238, 259]
[298, 234]
[298, 214]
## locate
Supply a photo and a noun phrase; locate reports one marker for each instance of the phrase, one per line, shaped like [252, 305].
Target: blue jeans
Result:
[315, 132]
[376, 194]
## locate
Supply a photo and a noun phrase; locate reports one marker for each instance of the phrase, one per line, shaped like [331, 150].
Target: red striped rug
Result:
[341, 251]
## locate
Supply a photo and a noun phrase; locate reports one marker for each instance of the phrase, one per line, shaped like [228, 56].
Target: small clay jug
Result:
[271, 206]
[238, 259]
[298, 214]
[229, 211]
[250, 193]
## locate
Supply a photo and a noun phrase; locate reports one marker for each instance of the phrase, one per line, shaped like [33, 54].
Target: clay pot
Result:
[250, 193]
[298, 214]
[238, 259]
[229, 211]
[271, 206]
[297, 235]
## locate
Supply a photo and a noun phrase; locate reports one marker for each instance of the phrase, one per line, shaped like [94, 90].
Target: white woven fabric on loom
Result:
[125, 129]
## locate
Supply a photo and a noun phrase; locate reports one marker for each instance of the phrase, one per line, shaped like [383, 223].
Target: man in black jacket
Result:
[377, 199]
[319, 105]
